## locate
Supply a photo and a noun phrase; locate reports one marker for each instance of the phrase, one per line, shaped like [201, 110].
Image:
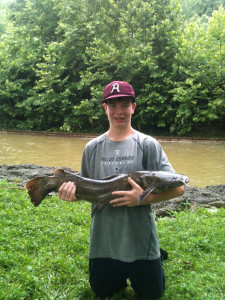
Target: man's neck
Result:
[119, 134]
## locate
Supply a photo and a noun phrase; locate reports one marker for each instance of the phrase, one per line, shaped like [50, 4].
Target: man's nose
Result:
[119, 109]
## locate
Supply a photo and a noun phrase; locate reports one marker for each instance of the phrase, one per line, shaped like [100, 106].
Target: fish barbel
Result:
[100, 191]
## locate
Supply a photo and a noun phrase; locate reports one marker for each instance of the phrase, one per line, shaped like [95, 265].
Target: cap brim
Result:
[117, 96]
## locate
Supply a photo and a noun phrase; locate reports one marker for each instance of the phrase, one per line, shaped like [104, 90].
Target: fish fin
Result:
[145, 194]
[96, 209]
[109, 177]
[34, 191]
[59, 172]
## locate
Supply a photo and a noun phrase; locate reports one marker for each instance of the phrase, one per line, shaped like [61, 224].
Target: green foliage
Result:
[199, 93]
[3, 11]
[22, 48]
[192, 8]
[138, 47]
[44, 250]
[56, 57]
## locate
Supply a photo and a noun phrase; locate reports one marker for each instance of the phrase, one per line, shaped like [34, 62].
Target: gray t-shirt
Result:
[123, 233]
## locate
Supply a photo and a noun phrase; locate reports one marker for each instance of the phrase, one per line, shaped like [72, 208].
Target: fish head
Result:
[161, 180]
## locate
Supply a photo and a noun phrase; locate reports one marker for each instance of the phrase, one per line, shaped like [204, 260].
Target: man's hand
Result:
[67, 191]
[128, 198]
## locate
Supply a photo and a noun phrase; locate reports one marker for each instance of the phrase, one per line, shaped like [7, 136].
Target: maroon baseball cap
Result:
[118, 89]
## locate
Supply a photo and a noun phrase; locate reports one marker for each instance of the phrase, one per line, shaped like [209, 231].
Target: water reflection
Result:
[203, 163]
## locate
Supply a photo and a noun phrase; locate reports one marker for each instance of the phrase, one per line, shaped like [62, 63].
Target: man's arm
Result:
[130, 198]
[167, 195]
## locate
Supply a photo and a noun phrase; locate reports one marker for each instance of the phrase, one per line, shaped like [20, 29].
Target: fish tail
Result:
[35, 192]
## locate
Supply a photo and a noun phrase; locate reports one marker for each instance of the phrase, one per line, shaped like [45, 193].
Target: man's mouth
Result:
[119, 119]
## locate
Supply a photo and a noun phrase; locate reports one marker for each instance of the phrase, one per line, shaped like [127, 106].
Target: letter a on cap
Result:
[115, 86]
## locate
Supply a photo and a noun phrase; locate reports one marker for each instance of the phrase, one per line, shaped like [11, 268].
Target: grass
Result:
[44, 251]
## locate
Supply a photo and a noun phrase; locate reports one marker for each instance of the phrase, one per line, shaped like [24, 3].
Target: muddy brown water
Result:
[202, 162]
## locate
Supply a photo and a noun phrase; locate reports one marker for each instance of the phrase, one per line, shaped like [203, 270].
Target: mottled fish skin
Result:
[100, 191]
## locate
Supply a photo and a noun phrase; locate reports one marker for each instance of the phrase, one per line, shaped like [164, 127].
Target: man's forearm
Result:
[167, 195]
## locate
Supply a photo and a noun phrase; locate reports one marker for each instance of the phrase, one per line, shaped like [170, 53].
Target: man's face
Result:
[119, 111]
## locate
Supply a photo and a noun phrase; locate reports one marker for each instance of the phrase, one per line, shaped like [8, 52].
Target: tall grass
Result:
[44, 250]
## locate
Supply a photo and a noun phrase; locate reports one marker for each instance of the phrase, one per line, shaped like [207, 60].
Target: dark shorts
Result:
[109, 276]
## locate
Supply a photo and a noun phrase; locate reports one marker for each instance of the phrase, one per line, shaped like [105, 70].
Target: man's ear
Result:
[134, 106]
[105, 107]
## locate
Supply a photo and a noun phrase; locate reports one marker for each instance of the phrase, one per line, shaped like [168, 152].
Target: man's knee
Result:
[155, 292]
[105, 280]
[148, 279]
[106, 289]
[102, 291]
[152, 291]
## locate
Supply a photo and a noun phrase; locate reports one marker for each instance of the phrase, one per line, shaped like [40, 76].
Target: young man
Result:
[123, 237]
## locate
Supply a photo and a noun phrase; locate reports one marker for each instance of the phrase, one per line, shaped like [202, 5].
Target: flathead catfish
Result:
[100, 191]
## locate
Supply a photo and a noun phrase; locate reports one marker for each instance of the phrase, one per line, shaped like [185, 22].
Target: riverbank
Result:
[92, 135]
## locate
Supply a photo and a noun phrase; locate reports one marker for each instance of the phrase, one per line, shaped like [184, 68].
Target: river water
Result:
[202, 162]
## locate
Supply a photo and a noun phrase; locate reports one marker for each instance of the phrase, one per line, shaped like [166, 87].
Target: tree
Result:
[200, 8]
[137, 46]
[22, 47]
[57, 90]
[56, 56]
[3, 10]
[199, 92]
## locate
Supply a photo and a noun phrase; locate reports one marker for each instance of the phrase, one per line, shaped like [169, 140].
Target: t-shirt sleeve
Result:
[85, 166]
[154, 158]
